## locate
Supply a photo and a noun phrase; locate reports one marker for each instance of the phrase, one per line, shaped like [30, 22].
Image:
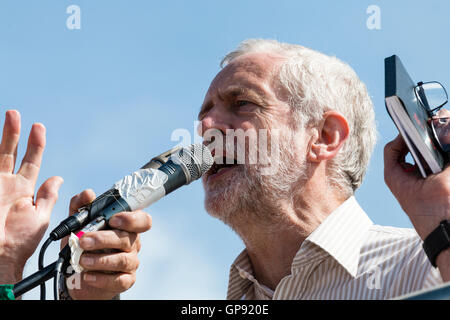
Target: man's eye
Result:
[245, 106]
[241, 103]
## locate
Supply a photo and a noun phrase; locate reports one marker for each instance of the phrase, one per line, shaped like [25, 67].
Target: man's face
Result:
[244, 96]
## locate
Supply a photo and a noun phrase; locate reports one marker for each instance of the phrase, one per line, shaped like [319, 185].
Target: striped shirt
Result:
[346, 257]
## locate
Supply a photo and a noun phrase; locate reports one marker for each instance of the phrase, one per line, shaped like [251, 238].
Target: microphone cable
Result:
[57, 277]
[41, 265]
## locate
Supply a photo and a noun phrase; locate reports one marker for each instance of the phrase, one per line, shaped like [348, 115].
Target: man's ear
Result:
[329, 137]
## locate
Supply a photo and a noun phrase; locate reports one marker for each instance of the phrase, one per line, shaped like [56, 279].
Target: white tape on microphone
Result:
[142, 188]
[139, 189]
[75, 253]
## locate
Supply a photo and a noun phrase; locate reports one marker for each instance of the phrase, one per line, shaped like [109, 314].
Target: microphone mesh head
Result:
[196, 158]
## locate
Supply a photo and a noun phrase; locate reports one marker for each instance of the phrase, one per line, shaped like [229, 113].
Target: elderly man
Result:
[305, 235]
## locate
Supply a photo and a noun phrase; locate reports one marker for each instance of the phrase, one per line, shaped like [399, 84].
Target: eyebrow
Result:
[234, 91]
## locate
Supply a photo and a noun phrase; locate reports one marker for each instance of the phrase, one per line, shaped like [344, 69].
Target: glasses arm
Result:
[422, 97]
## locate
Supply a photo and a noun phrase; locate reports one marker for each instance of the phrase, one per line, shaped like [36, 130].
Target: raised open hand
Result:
[23, 217]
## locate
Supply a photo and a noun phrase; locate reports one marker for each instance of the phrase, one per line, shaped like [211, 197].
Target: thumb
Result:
[47, 196]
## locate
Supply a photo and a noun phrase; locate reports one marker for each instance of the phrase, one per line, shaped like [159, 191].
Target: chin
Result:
[225, 197]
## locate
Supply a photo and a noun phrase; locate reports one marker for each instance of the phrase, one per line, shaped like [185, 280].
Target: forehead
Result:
[253, 70]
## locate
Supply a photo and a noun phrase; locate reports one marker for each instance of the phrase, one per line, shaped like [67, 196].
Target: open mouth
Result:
[219, 169]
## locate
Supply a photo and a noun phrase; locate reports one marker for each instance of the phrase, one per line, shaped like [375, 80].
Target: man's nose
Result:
[214, 120]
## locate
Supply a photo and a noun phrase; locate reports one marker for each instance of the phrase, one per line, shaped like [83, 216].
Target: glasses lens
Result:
[441, 127]
[433, 95]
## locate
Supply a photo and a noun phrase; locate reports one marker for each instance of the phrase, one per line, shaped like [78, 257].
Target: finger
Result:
[47, 196]
[136, 221]
[80, 200]
[116, 282]
[395, 152]
[117, 262]
[109, 239]
[10, 141]
[396, 171]
[31, 162]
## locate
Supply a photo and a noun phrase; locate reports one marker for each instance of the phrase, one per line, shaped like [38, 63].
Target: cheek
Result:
[256, 123]
[246, 125]
[294, 144]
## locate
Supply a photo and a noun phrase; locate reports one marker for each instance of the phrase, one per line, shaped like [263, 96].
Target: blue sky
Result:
[111, 94]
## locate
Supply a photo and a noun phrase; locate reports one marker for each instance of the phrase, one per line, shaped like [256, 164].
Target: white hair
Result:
[317, 83]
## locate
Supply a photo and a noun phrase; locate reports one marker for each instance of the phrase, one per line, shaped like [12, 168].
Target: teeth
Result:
[223, 160]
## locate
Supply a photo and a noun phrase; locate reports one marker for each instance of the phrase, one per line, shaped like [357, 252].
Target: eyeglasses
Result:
[432, 96]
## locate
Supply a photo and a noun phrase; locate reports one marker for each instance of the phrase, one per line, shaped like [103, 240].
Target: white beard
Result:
[244, 194]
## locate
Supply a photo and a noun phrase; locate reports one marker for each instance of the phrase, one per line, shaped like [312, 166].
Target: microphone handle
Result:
[95, 225]
[107, 204]
[111, 203]
[110, 198]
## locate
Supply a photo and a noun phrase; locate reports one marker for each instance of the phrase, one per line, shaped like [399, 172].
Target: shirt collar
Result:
[341, 235]
[241, 276]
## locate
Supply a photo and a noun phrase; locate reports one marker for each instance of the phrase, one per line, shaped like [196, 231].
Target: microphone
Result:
[159, 177]
[158, 161]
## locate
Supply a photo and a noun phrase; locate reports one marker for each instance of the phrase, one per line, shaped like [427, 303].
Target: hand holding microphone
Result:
[110, 259]
[108, 274]
[132, 193]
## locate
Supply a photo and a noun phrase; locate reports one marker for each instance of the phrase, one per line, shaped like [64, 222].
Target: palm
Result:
[23, 218]
[17, 207]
